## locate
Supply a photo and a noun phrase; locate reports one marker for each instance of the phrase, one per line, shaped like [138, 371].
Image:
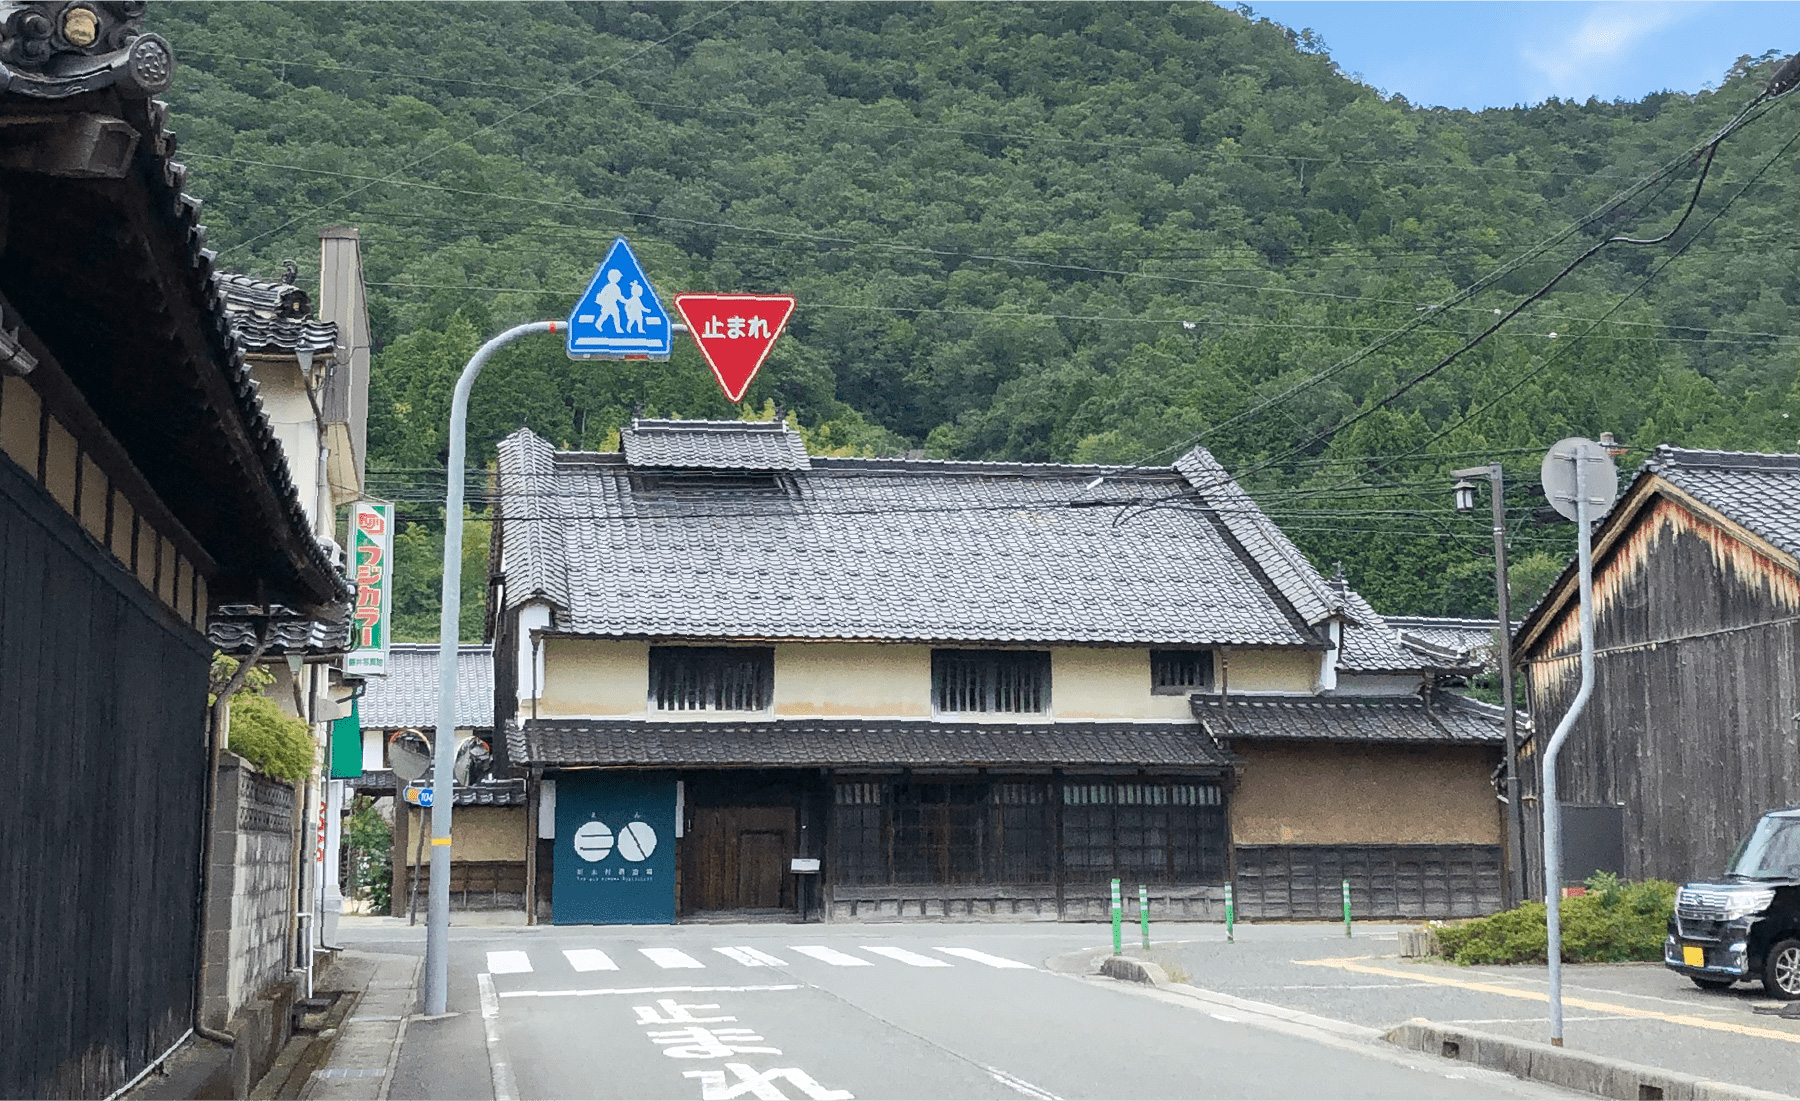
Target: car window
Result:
[1772, 851]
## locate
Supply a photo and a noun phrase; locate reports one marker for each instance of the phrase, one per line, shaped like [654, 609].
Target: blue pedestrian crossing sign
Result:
[619, 315]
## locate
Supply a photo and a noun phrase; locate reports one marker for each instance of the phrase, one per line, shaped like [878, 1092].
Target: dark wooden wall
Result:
[1694, 724]
[102, 702]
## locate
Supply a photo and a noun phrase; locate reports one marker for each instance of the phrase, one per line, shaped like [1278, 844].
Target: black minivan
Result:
[1747, 924]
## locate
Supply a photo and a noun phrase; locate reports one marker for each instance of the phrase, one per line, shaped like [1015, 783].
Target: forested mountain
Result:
[1022, 231]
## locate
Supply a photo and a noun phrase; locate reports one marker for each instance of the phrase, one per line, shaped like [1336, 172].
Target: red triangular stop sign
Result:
[735, 333]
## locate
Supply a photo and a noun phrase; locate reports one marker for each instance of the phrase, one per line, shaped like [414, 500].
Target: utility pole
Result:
[1515, 814]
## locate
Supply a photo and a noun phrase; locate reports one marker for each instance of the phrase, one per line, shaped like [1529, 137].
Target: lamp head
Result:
[1464, 491]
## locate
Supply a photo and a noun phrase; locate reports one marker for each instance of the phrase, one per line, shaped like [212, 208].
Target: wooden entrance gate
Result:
[736, 858]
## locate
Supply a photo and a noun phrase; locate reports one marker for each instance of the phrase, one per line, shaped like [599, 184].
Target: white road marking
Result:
[670, 957]
[983, 957]
[750, 957]
[715, 1085]
[508, 963]
[1013, 1082]
[1223, 1017]
[506, 1088]
[830, 955]
[644, 990]
[911, 959]
[589, 959]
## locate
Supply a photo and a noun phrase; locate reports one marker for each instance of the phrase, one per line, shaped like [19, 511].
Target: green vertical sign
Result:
[346, 746]
[372, 570]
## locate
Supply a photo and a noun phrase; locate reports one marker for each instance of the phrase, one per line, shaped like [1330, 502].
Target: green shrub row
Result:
[1614, 922]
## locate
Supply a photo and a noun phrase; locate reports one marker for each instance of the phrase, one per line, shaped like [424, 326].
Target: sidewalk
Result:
[1639, 1013]
[351, 1056]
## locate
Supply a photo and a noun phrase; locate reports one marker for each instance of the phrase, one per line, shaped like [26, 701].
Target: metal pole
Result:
[443, 773]
[1144, 912]
[1515, 813]
[1118, 910]
[1230, 916]
[1552, 805]
[1346, 907]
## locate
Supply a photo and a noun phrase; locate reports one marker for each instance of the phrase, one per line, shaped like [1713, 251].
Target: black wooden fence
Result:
[102, 703]
[1386, 881]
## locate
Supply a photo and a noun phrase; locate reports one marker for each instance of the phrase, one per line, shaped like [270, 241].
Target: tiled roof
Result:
[713, 445]
[1467, 642]
[273, 528]
[821, 743]
[883, 549]
[407, 695]
[234, 629]
[269, 316]
[1370, 645]
[1761, 492]
[1287, 569]
[500, 793]
[1447, 720]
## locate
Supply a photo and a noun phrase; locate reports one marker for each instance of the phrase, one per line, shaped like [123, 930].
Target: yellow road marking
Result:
[1356, 964]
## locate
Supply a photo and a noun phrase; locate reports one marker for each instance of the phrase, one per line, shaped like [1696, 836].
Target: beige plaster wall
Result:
[1272, 670]
[610, 678]
[481, 833]
[20, 410]
[1326, 793]
[1104, 682]
[850, 679]
[594, 677]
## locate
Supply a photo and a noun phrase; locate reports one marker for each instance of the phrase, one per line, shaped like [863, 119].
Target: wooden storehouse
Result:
[1693, 729]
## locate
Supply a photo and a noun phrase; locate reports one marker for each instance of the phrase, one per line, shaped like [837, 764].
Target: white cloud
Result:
[1604, 39]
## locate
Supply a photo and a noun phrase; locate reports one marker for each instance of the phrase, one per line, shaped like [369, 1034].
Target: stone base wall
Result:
[1019, 902]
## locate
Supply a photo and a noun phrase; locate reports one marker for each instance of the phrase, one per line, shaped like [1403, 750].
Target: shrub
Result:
[370, 840]
[279, 745]
[1614, 922]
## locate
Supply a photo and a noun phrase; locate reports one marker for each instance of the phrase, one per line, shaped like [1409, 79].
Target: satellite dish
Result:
[409, 754]
[1598, 477]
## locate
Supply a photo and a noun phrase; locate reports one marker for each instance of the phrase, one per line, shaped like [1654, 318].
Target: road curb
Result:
[1561, 1066]
[1130, 970]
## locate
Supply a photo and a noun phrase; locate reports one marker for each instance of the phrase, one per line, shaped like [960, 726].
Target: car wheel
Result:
[1781, 971]
[1712, 984]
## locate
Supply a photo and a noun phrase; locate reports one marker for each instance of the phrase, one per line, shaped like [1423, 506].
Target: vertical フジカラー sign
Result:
[619, 315]
[372, 571]
[734, 333]
[615, 849]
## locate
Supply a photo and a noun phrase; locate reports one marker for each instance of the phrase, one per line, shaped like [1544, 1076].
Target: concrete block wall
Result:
[249, 902]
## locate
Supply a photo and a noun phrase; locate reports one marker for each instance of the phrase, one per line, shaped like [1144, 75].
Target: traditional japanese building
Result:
[1693, 729]
[142, 487]
[954, 688]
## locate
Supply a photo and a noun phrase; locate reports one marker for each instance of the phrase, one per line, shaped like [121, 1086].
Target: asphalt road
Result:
[1640, 1012]
[867, 1011]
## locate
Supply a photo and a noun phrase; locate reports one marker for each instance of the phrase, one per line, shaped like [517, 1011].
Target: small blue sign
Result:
[615, 849]
[619, 315]
[419, 796]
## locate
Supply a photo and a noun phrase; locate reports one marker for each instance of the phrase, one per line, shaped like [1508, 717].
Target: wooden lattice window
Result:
[988, 681]
[1147, 831]
[1177, 672]
[711, 678]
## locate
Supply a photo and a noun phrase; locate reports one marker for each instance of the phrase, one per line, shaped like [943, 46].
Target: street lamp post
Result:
[443, 775]
[1515, 818]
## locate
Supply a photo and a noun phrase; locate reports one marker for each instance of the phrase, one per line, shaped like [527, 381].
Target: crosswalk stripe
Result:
[589, 959]
[983, 957]
[670, 957]
[911, 959]
[750, 957]
[830, 955]
[508, 963]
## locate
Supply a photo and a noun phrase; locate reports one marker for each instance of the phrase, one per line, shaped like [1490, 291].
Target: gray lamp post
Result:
[1464, 491]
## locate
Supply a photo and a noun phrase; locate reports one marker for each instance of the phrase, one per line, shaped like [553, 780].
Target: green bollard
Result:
[1230, 916]
[1346, 907]
[1118, 913]
[1144, 912]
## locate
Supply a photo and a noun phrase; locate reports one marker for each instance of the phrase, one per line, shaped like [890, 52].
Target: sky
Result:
[1498, 53]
